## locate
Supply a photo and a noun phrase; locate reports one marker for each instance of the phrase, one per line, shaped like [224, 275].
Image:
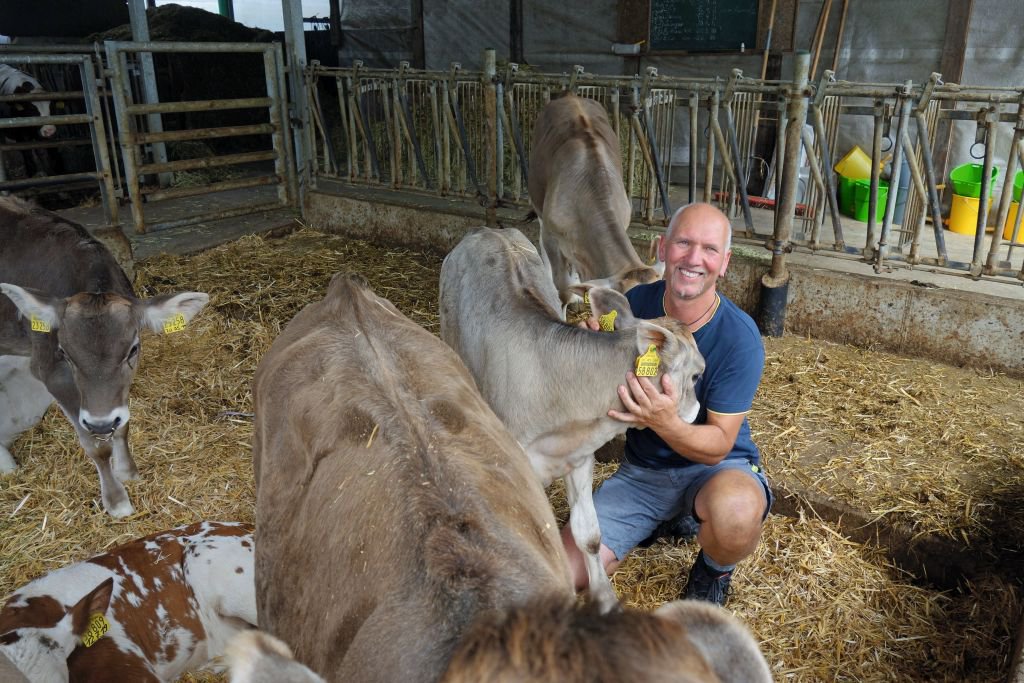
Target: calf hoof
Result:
[119, 510]
[7, 464]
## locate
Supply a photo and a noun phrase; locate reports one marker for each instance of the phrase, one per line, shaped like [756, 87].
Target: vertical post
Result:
[894, 177]
[140, 33]
[876, 155]
[709, 170]
[694, 137]
[991, 119]
[488, 85]
[298, 112]
[775, 284]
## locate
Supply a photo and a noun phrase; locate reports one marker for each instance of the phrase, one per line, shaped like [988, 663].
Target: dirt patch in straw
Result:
[918, 443]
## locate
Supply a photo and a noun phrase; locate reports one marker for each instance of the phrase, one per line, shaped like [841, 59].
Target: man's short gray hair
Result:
[679, 211]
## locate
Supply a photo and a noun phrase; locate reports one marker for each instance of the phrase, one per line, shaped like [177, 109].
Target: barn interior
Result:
[253, 165]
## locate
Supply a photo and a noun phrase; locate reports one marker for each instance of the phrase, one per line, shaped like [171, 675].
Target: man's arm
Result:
[647, 407]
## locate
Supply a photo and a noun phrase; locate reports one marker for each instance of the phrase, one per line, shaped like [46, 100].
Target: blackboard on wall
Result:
[702, 25]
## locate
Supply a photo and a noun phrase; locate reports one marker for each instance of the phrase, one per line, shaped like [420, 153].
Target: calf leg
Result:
[23, 402]
[112, 491]
[579, 490]
[124, 465]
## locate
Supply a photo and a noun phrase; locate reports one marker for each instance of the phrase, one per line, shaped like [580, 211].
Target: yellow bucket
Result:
[856, 165]
[1008, 225]
[963, 214]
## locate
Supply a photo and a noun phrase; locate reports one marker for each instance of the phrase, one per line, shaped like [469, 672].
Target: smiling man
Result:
[709, 470]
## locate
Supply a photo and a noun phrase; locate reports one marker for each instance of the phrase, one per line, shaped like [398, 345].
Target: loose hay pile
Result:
[823, 607]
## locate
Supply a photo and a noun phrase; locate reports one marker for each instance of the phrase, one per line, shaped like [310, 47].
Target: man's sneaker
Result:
[706, 583]
[683, 528]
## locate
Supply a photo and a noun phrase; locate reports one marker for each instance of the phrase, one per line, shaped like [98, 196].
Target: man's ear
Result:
[604, 301]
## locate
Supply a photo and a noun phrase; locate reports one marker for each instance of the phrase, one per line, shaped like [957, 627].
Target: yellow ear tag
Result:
[175, 324]
[607, 321]
[647, 363]
[94, 631]
[39, 325]
[586, 298]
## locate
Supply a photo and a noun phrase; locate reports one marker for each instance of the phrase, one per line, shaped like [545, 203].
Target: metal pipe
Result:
[876, 155]
[709, 158]
[796, 116]
[491, 127]
[986, 188]
[933, 190]
[741, 179]
[691, 180]
[904, 104]
[922, 190]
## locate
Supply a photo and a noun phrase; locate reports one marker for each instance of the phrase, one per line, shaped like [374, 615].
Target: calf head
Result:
[38, 633]
[664, 346]
[91, 347]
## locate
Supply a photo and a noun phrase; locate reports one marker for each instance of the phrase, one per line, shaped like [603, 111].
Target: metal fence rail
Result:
[461, 133]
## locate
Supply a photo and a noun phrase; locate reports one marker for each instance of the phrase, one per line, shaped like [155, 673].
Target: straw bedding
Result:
[935, 448]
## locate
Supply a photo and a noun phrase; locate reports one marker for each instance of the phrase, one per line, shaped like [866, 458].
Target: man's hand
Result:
[646, 406]
[590, 323]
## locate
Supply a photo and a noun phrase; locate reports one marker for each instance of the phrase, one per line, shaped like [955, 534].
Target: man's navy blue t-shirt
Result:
[734, 359]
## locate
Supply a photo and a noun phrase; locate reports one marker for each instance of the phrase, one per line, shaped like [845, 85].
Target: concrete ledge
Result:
[956, 327]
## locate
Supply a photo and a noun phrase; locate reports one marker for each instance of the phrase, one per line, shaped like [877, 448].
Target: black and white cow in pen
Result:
[70, 326]
[14, 82]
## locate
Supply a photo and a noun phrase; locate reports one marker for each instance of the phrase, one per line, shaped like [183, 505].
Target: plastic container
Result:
[963, 214]
[1018, 184]
[966, 180]
[1010, 218]
[855, 165]
[845, 195]
[862, 199]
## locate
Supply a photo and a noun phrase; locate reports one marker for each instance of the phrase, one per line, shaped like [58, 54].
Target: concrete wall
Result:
[956, 327]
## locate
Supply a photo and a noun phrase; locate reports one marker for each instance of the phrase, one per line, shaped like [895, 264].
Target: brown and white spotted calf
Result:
[148, 610]
[577, 192]
[70, 327]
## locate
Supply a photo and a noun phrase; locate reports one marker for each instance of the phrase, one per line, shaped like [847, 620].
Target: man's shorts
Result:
[634, 500]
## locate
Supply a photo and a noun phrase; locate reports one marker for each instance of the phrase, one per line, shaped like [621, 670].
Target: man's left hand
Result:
[645, 405]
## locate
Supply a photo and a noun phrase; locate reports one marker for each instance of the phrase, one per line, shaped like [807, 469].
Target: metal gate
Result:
[144, 133]
[83, 70]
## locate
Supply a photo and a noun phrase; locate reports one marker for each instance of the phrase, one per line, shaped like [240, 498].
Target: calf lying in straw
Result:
[148, 610]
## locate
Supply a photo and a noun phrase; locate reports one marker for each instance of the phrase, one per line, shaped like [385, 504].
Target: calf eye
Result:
[132, 353]
[696, 377]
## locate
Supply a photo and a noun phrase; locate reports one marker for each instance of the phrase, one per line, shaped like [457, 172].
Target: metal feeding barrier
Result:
[468, 133]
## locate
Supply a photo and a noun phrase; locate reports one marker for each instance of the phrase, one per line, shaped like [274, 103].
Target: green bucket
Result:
[845, 195]
[966, 180]
[1018, 184]
[862, 198]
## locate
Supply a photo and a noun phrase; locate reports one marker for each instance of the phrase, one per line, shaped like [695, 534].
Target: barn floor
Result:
[930, 451]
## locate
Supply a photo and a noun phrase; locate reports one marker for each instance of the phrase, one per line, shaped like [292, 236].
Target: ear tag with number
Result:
[648, 362]
[586, 298]
[607, 321]
[174, 324]
[39, 325]
[94, 631]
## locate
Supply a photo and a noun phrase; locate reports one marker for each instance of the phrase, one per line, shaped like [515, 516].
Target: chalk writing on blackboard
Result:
[703, 25]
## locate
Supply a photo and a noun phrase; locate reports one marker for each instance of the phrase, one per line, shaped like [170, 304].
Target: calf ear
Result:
[603, 301]
[173, 310]
[37, 306]
[648, 334]
[95, 601]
